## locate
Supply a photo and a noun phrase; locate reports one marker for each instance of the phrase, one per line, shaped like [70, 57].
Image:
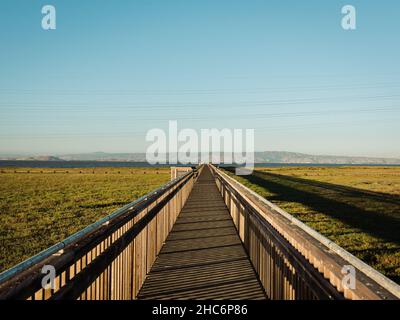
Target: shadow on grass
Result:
[376, 214]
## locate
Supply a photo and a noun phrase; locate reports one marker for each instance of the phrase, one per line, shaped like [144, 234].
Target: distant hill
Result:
[294, 157]
[103, 156]
[260, 157]
[38, 158]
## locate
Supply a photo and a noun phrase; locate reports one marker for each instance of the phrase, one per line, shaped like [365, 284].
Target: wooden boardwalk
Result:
[203, 257]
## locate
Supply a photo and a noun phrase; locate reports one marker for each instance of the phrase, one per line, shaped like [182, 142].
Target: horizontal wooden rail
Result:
[291, 260]
[107, 260]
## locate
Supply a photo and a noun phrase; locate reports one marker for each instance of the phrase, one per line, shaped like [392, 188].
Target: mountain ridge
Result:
[259, 157]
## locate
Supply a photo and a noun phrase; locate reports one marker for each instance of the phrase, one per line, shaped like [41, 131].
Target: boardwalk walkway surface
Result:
[203, 257]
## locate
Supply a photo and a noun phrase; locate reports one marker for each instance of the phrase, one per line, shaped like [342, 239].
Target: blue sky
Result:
[114, 69]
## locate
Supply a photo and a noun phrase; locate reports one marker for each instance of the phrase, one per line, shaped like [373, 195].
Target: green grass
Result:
[40, 208]
[356, 207]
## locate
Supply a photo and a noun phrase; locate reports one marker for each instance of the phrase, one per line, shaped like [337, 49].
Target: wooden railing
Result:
[292, 260]
[107, 260]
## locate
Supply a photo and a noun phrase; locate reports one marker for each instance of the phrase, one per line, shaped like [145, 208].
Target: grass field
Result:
[357, 207]
[42, 207]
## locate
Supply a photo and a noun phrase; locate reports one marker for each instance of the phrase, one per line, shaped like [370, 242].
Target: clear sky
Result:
[114, 69]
